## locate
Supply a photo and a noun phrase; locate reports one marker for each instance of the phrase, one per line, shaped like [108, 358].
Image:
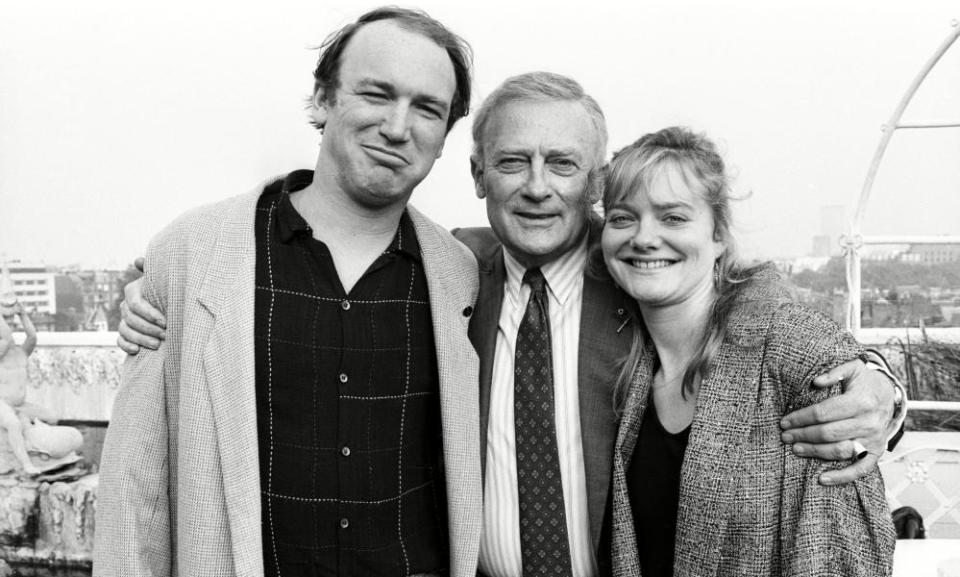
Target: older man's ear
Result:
[476, 169]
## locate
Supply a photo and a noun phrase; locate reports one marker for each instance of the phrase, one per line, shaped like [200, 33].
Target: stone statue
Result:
[37, 444]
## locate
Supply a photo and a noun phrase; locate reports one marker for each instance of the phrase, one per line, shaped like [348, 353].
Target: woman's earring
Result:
[716, 274]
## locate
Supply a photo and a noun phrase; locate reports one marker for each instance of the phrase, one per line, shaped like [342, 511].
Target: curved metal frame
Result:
[852, 243]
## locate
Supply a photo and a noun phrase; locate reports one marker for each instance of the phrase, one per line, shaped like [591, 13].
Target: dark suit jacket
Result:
[605, 309]
[748, 505]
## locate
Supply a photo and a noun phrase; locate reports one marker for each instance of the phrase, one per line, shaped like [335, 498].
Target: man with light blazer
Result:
[313, 409]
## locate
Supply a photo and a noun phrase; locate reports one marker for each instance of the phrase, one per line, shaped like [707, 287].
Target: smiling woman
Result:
[663, 243]
[720, 354]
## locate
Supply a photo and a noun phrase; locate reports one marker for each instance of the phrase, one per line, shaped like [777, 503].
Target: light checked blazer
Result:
[179, 483]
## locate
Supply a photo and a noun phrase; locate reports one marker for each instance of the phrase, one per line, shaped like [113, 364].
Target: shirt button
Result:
[345, 451]
[344, 523]
[345, 305]
[343, 377]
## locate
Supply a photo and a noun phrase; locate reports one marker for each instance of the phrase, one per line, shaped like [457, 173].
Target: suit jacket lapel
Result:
[605, 339]
[227, 294]
[484, 326]
[601, 348]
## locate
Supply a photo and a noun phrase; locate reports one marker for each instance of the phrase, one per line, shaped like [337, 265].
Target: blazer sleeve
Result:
[133, 536]
[835, 530]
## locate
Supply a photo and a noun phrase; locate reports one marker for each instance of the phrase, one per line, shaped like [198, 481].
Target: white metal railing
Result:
[73, 339]
[884, 335]
[854, 241]
[933, 406]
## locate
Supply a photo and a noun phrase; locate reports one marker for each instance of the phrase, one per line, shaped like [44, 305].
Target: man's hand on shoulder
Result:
[833, 428]
[141, 325]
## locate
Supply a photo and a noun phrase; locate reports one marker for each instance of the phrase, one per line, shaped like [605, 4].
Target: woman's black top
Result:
[653, 482]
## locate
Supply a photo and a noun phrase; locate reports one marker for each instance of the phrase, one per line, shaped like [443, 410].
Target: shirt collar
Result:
[290, 224]
[405, 241]
[562, 274]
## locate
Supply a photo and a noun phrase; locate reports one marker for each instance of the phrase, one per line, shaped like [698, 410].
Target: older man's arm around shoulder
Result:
[135, 531]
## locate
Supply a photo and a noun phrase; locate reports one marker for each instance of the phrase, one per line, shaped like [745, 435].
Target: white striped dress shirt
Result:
[500, 543]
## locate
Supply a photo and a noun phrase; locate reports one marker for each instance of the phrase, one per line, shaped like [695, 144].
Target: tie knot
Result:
[534, 278]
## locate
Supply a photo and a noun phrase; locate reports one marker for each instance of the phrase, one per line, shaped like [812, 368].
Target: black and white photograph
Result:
[500, 289]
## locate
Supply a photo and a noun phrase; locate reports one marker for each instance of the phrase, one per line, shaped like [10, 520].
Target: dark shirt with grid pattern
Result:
[348, 411]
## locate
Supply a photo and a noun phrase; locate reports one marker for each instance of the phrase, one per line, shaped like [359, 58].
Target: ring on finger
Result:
[859, 451]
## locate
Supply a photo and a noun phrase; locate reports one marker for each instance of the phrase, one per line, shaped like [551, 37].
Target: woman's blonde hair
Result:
[695, 157]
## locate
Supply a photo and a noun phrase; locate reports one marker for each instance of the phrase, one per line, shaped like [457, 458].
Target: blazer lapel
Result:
[721, 426]
[625, 557]
[452, 282]
[604, 340]
[228, 295]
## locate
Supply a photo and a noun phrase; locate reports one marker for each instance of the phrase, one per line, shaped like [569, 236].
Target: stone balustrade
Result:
[77, 375]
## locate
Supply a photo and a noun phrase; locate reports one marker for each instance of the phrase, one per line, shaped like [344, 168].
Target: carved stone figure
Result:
[37, 443]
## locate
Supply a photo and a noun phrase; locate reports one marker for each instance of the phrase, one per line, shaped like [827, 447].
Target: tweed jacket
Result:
[179, 486]
[603, 343]
[748, 505]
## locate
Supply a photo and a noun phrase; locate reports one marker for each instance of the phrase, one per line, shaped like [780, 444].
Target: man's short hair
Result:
[540, 87]
[327, 73]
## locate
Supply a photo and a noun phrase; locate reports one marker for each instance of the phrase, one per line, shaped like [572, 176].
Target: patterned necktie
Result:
[543, 526]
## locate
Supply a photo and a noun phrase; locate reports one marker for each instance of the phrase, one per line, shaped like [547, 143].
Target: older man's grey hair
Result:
[540, 87]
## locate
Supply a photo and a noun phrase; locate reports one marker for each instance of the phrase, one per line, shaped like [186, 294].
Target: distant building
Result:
[932, 253]
[69, 292]
[98, 287]
[62, 300]
[833, 222]
[34, 286]
[824, 245]
[803, 263]
[70, 308]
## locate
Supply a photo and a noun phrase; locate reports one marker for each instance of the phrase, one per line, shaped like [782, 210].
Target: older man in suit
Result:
[547, 420]
[316, 350]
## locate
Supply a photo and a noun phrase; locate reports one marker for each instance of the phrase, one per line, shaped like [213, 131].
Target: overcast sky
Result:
[115, 117]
